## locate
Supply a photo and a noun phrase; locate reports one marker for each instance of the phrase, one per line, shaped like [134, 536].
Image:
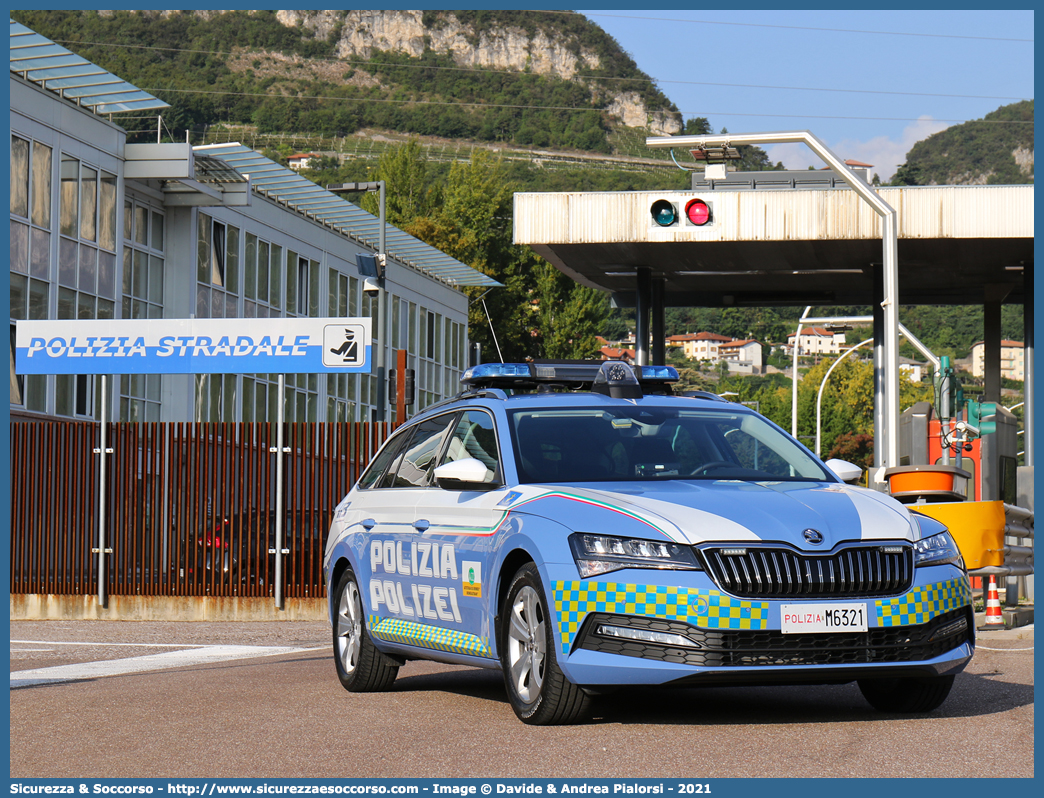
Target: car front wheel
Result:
[538, 691]
[360, 666]
[912, 694]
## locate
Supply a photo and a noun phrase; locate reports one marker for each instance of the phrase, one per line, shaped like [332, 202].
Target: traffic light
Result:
[977, 411]
[694, 212]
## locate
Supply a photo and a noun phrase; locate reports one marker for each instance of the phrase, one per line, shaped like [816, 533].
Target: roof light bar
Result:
[659, 373]
[485, 373]
[609, 377]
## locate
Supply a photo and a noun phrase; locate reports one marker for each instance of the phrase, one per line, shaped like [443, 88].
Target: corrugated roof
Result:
[302, 195]
[56, 69]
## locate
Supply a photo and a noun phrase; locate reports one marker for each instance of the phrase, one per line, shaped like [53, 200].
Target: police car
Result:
[580, 528]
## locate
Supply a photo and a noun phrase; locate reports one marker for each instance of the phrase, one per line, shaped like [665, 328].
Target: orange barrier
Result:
[977, 527]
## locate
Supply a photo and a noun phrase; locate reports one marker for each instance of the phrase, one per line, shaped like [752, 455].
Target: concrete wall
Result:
[41, 607]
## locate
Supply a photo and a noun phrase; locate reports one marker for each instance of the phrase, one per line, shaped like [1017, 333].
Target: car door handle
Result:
[421, 525]
[368, 524]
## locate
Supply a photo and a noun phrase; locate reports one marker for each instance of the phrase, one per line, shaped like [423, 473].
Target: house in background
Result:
[911, 369]
[1013, 360]
[743, 357]
[302, 160]
[616, 353]
[699, 346]
[817, 341]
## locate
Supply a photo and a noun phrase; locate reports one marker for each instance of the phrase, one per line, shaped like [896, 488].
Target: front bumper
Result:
[717, 638]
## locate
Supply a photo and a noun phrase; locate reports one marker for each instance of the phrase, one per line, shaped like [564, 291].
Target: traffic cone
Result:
[994, 617]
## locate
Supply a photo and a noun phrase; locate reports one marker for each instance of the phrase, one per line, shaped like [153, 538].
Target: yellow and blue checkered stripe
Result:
[419, 634]
[923, 603]
[708, 609]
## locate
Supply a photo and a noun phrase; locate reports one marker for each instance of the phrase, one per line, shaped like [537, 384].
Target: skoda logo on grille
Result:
[813, 536]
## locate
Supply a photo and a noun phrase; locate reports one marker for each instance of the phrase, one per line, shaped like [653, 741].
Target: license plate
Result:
[797, 618]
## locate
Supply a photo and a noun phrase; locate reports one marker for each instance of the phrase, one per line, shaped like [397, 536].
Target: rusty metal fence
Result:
[190, 507]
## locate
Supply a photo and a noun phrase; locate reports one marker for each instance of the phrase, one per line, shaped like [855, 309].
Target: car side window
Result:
[418, 457]
[474, 436]
[381, 465]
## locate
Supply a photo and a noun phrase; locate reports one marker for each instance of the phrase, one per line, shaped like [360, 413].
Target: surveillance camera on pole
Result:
[373, 284]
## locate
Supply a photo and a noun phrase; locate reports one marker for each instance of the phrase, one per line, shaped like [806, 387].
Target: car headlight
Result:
[937, 550]
[600, 554]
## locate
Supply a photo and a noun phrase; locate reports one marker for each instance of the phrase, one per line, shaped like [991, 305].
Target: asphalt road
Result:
[261, 700]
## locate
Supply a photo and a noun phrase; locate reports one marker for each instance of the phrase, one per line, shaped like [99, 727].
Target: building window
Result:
[74, 395]
[261, 393]
[302, 285]
[143, 278]
[262, 278]
[86, 265]
[215, 397]
[217, 269]
[342, 389]
[429, 371]
[143, 262]
[299, 283]
[140, 397]
[259, 398]
[30, 253]
[19, 176]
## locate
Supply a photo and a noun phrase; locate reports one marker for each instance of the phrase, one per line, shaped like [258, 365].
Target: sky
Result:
[869, 84]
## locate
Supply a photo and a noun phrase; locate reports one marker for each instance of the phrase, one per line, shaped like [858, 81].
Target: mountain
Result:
[530, 78]
[994, 150]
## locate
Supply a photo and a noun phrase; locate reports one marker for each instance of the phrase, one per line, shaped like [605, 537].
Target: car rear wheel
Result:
[360, 666]
[538, 691]
[916, 694]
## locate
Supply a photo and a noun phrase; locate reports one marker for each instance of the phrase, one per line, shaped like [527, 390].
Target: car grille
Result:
[744, 648]
[778, 572]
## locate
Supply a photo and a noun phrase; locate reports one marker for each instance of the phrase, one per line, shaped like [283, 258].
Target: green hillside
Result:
[980, 152]
[251, 68]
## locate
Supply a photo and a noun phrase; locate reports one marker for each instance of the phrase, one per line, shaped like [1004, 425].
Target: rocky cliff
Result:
[359, 34]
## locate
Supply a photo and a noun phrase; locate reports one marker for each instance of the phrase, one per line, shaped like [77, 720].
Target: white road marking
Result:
[109, 645]
[172, 659]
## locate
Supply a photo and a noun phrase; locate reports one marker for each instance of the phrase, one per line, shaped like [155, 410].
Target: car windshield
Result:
[596, 444]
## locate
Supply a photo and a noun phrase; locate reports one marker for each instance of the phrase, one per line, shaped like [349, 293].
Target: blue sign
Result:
[193, 346]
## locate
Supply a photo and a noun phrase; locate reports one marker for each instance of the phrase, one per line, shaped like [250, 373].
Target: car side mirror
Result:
[466, 474]
[844, 470]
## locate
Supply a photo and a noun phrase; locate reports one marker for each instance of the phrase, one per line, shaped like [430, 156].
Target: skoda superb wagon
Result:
[581, 529]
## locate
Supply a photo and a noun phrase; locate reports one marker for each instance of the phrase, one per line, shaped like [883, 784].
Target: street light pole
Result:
[794, 375]
[382, 297]
[382, 310]
[822, 385]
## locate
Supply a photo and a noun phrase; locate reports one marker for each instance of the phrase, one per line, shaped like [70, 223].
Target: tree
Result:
[698, 126]
[855, 447]
[470, 220]
[848, 400]
[407, 193]
[569, 316]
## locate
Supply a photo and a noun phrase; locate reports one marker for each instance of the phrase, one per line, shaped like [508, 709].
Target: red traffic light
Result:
[698, 212]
